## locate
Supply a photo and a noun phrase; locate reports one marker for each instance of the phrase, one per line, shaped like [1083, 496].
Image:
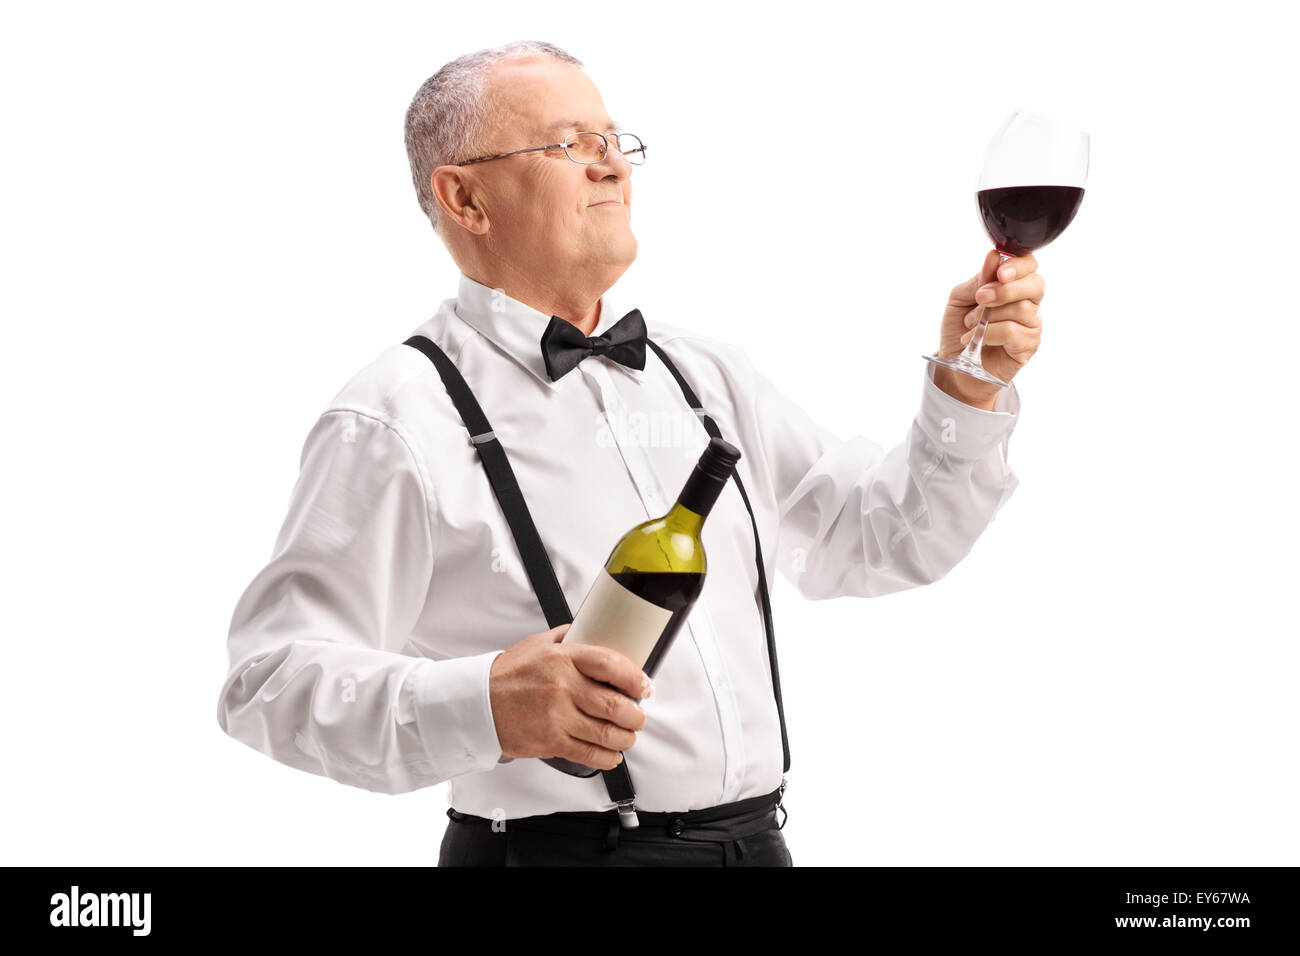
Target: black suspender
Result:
[712, 428]
[504, 485]
[618, 782]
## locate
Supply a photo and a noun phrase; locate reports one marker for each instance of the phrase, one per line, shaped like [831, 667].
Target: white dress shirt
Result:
[361, 651]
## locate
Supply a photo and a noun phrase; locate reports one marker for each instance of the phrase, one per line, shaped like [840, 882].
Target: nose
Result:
[614, 164]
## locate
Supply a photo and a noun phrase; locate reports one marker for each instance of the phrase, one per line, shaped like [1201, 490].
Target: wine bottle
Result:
[652, 578]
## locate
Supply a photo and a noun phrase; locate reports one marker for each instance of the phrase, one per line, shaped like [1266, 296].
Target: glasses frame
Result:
[563, 146]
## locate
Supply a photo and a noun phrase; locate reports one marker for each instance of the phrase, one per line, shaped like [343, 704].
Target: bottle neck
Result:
[696, 501]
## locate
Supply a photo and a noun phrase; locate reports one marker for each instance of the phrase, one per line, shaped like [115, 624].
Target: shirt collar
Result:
[517, 328]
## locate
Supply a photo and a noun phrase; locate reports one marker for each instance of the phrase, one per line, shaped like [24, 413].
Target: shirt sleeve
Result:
[857, 520]
[319, 678]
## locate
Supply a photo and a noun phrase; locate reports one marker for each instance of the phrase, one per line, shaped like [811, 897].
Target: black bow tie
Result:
[564, 346]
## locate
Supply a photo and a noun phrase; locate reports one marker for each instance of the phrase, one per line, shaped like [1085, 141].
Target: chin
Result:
[619, 244]
[627, 249]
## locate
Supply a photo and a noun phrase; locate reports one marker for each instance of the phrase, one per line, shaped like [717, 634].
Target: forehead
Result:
[548, 96]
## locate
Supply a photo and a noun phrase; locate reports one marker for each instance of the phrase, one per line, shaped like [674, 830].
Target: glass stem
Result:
[972, 350]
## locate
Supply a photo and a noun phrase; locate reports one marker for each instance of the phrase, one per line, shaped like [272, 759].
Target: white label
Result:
[612, 616]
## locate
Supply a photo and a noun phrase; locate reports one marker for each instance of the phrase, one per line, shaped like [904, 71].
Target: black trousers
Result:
[745, 833]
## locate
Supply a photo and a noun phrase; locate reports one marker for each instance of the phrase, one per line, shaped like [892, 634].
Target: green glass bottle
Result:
[653, 577]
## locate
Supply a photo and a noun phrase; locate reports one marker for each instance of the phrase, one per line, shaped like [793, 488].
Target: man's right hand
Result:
[553, 700]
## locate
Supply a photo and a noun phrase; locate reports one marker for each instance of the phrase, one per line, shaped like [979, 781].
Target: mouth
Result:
[608, 202]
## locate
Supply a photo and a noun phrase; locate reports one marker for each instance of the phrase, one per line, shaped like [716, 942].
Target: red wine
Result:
[1021, 219]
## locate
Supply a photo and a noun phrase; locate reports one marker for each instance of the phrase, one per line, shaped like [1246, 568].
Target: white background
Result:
[209, 226]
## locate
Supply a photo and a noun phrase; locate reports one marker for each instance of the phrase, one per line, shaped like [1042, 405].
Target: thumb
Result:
[988, 272]
[557, 633]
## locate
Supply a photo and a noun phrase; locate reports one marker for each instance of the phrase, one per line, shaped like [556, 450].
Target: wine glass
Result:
[1030, 187]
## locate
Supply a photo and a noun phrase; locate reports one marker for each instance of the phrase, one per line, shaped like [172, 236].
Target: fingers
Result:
[1024, 312]
[589, 754]
[610, 666]
[604, 703]
[599, 732]
[1017, 267]
[593, 741]
[1029, 287]
[993, 272]
[1017, 340]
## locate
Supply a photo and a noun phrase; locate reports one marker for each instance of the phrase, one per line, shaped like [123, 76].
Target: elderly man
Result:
[464, 489]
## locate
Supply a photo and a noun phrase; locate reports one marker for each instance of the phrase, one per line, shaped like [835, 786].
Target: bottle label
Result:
[612, 616]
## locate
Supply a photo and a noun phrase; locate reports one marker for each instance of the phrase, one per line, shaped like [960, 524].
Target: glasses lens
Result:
[631, 147]
[585, 147]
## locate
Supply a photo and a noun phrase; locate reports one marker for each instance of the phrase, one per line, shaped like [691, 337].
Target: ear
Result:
[455, 191]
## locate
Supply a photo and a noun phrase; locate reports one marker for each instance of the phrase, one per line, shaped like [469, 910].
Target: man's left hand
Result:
[1007, 294]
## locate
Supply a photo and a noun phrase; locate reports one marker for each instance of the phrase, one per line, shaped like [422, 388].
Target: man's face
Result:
[542, 208]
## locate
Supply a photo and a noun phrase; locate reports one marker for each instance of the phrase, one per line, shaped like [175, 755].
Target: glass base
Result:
[964, 365]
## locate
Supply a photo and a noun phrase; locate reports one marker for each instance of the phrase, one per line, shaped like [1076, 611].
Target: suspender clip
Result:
[627, 815]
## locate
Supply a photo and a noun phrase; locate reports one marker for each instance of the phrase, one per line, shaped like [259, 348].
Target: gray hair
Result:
[450, 117]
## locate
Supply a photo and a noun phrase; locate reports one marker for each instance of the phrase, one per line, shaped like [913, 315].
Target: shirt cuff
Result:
[965, 431]
[453, 710]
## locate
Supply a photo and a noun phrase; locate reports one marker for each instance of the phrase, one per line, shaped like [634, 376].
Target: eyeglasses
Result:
[584, 149]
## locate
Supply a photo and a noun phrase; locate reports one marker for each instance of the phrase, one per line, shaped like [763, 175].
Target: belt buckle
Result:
[780, 805]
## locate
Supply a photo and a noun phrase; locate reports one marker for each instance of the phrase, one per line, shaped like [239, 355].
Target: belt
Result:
[728, 821]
